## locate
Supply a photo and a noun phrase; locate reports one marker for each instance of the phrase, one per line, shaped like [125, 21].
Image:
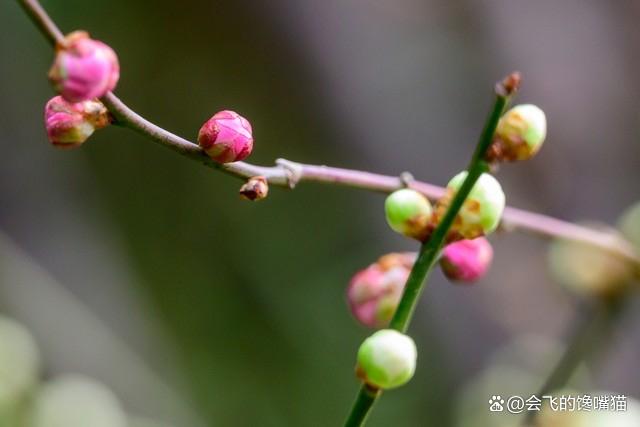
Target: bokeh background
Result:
[146, 272]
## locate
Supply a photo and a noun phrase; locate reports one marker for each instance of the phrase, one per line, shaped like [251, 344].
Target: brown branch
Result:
[287, 173]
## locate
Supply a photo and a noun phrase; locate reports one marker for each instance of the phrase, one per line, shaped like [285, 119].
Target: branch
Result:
[287, 173]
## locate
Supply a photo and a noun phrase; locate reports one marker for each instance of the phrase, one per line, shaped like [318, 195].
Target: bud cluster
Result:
[410, 213]
[85, 69]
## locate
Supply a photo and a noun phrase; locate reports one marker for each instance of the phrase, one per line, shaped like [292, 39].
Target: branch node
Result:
[406, 179]
[293, 171]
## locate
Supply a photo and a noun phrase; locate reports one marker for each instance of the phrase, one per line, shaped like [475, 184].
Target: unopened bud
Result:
[467, 260]
[408, 212]
[226, 137]
[481, 212]
[374, 293]
[387, 359]
[589, 270]
[70, 124]
[84, 68]
[520, 134]
[256, 188]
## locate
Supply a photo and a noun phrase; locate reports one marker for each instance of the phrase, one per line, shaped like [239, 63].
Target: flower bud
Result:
[589, 270]
[629, 224]
[387, 359]
[520, 134]
[374, 293]
[467, 260]
[84, 68]
[73, 400]
[481, 212]
[70, 124]
[408, 212]
[226, 137]
[256, 188]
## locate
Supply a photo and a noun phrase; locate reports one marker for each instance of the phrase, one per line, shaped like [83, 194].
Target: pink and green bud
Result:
[387, 359]
[481, 212]
[408, 212]
[466, 261]
[520, 134]
[70, 124]
[374, 293]
[84, 68]
[226, 137]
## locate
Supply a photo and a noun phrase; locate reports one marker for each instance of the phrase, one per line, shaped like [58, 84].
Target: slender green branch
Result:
[592, 328]
[429, 250]
[362, 406]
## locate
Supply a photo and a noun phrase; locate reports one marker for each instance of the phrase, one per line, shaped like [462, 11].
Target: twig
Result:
[288, 173]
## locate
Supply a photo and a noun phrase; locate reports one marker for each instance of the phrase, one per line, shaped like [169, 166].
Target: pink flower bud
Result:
[226, 137]
[84, 68]
[70, 124]
[466, 260]
[374, 293]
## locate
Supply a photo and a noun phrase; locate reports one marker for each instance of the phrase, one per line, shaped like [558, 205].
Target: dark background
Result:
[146, 271]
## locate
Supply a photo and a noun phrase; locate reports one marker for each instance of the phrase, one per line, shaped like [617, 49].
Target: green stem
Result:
[429, 250]
[362, 406]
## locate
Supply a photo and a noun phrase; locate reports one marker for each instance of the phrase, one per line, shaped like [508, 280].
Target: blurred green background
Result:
[147, 272]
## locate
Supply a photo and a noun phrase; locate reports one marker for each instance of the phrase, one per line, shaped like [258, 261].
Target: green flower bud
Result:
[520, 134]
[76, 401]
[589, 270]
[387, 359]
[481, 212]
[408, 212]
[629, 224]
